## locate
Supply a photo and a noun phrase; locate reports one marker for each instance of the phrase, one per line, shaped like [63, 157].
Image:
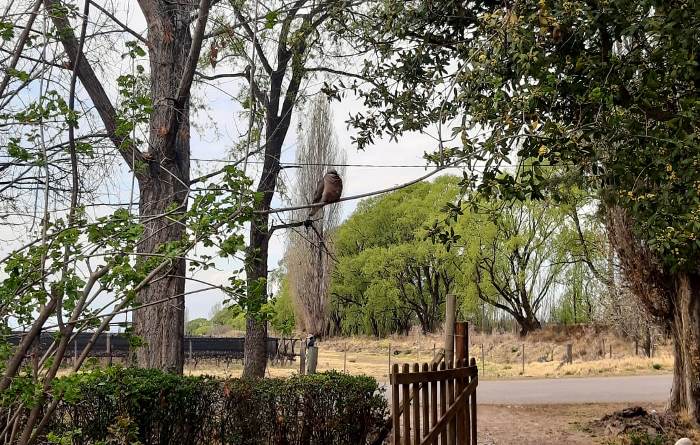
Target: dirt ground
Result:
[545, 424]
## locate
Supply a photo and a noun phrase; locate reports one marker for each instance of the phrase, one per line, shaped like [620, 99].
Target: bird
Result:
[328, 191]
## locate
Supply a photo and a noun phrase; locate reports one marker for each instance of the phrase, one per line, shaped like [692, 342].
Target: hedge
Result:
[129, 406]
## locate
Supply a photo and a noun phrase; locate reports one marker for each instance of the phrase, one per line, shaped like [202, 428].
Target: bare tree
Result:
[286, 48]
[309, 260]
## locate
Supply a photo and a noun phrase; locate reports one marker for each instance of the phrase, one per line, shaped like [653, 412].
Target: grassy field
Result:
[497, 355]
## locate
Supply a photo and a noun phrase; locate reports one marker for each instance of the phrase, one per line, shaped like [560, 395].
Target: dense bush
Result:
[125, 405]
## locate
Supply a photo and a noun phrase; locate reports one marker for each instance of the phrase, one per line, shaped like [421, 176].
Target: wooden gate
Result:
[435, 404]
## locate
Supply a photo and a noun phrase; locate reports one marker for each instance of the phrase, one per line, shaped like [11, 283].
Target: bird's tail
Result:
[314, 210]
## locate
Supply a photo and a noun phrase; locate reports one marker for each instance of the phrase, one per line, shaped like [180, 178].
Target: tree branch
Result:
[92, 84]
[111, 16]
[183, 90]
[219, 76]
[256, 42]
[19, 47]
[339, 72]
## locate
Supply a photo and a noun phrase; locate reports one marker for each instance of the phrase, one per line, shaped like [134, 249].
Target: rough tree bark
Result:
[673, 299]
[163, 189]
[685, 329]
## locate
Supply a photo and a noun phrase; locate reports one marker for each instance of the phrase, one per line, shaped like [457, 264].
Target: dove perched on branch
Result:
[328, 191]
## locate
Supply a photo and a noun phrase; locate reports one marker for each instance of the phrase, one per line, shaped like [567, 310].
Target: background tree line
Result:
[520, 261]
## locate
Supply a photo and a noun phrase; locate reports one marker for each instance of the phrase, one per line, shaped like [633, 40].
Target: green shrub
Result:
[127, 405]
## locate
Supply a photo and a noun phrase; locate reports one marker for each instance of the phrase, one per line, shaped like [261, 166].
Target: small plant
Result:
[657, 366]
[646, 439]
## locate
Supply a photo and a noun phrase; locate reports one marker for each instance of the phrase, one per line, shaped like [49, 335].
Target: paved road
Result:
[653, 388]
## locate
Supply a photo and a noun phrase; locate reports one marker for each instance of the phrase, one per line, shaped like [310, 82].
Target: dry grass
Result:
[502, 355]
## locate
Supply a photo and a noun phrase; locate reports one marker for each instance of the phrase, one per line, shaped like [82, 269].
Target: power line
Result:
[322, 164]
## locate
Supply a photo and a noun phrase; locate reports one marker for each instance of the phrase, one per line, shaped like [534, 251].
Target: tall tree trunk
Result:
[163, 191]
[255, 351]
[163, 170]
[255, 355]
[685, 328]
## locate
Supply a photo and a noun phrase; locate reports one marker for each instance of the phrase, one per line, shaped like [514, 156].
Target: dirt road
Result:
[653, 388]
[585, 390]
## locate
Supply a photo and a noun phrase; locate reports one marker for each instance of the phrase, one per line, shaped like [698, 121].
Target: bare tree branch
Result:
[92, 84]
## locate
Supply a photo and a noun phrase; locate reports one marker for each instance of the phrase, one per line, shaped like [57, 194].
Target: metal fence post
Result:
[109, 348]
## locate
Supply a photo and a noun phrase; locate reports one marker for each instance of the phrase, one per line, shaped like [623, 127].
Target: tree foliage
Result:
[388, 275]
[521, 256]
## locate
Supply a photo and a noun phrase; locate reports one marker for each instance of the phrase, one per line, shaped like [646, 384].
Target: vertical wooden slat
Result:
[465, 383]
[434, 400]
[406, 409]
[396, 418]
[426, 405]
[451, 428]
[460, 355]
[463, 411]
[472, 402]
[460, 341]
[443, 405]
[416, 408]
[466, 342]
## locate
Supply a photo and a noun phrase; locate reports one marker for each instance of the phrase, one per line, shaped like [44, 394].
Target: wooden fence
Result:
[435, 403]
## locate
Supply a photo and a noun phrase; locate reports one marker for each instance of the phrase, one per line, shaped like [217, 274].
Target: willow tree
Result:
[606, 90]
[388, 276]
[309, 253]
[521, 257]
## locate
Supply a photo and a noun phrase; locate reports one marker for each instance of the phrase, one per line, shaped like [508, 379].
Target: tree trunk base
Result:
[685, 328]
[255, 355]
